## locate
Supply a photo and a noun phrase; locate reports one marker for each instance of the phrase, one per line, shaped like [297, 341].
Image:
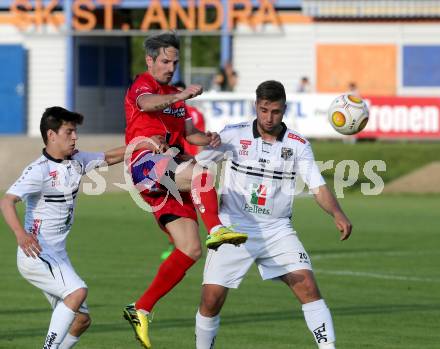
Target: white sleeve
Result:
[308, 170]
[89, 161]
[223, 151]
[30, 182]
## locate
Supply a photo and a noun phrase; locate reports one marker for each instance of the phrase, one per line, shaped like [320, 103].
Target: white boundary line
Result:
[374, 275]
[369, 274]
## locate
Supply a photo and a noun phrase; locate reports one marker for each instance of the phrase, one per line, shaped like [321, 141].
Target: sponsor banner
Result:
[390, 117]
[403, 118]
[306, 113]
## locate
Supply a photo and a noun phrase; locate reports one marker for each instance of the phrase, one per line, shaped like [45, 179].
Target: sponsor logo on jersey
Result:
[36, 225]
[143, 89]
[175, 112]
[55, 179]
[245, 143]
[296, 137]
[244, 146]
[286, 153]
[263, 161]
[258, 200]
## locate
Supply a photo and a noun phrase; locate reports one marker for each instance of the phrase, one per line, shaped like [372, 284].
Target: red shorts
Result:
[146, 172]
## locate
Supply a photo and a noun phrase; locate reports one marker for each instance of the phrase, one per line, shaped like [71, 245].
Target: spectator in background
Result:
[304, 85]
[217, 81]
[226, 79]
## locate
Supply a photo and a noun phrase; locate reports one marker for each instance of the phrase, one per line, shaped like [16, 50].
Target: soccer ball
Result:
[348, 114]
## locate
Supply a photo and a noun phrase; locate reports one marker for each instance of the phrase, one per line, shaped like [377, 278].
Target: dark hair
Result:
[153, 44]
[272, 91]
[53, 119]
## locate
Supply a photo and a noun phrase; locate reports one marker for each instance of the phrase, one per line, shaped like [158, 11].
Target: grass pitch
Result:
[383, 285]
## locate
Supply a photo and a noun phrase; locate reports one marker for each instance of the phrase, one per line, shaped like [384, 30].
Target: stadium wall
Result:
[46, 57]
[315, 50]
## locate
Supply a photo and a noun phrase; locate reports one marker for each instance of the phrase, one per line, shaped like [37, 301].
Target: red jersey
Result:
[199, 123]
[170, 120]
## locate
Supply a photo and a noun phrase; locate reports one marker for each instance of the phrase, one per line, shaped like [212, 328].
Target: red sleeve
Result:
[197, 118]
[144, 84]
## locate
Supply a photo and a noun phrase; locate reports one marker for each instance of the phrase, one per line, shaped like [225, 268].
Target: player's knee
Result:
[211, 304]
[310, 291]
[195, 252]
[85, 323]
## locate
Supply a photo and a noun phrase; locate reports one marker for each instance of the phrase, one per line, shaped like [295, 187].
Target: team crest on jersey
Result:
[77, 167]
[175, 112]
[286, 153]
[244, 146]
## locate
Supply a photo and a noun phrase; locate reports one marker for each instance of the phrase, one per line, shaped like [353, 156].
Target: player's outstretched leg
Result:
[204, 197]
[139, 322]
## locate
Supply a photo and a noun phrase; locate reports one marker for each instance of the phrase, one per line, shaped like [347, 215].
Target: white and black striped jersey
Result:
[49, 187]
[259, 179]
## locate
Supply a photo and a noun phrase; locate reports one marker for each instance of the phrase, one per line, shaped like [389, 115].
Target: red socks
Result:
[204, 197]
[171, 271]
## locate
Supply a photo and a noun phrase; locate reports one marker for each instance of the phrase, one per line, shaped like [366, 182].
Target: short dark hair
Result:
[271, 90]
[153, 44]
[54, 117]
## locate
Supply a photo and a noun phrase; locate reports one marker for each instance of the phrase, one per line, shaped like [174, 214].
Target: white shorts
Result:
[53, 275]
[229, 264]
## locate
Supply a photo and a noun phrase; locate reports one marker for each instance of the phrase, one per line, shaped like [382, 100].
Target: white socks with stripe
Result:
[62, 318]
[206, 331]
[319, 321]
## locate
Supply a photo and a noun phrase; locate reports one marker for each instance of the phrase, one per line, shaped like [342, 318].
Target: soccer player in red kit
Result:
[172, 185]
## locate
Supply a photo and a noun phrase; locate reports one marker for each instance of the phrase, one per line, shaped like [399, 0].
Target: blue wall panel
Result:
[421, 66]
[12, 89]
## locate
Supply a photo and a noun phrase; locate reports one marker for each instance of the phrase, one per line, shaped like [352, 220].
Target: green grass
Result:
[400, 157]
[382, 285]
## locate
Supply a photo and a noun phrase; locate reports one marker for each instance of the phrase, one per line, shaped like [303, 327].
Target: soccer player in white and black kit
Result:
[263, 160]
[49, 186]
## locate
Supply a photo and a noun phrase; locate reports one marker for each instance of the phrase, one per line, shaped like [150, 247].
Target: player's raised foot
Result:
[225, 235]
[139, 321]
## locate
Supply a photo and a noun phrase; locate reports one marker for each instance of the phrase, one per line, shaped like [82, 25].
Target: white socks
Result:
[68, 342]
[317, 316]
[62, 318]
[206, 331]
[319, 321]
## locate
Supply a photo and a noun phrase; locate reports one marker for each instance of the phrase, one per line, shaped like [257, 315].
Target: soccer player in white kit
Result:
[49, 186]
[263, 159]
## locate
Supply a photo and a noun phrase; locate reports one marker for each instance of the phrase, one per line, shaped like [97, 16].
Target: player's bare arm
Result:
[197, 137]
[325, 198]
[156, 144]
[27, 242]
[151, 102]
